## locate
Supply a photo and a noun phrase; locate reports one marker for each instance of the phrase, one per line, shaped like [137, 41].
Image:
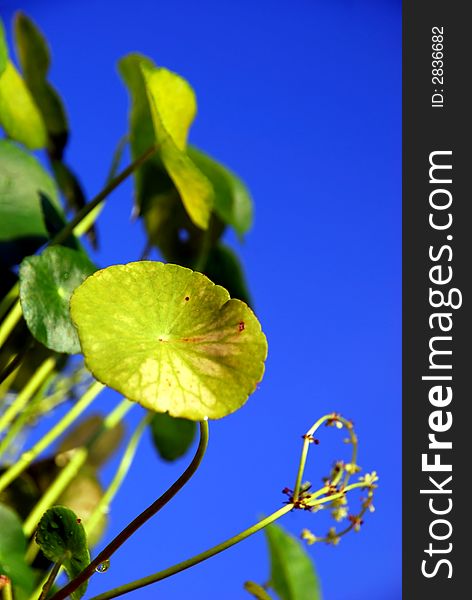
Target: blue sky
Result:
[303, 100]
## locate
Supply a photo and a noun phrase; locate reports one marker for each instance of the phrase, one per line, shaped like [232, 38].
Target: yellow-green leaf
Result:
[173, 109]
[34, 58]
[19, 115]
[3, 48]
[169, 338]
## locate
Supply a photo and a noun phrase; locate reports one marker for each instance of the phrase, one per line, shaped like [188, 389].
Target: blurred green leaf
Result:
[61, 537]
[293, 575]
[73, 194]
[3, 48]
[170, 229]
[224, 268]
[117, 157]
[19, 115]
[12, 554]
[232, 201]
[102, 448]
[256, 590]
[82, 496]
[46, 285]
[172, 437]
[21, 495]
[25, 188]
[168, 338]
[69, 185]
[34, 58]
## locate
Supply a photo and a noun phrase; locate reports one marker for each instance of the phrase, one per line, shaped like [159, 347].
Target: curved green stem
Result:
[62, 235]
[20, 423]
[306, 445]
[13, 365]
[68, 473]
[120, 474]
[130, 529]
[27, 457]
[10, 321]
[22, 399]
[195, 560]
[308, 439]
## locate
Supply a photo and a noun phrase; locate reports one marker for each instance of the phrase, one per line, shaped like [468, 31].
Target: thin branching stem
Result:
[120, 474]
[51, 436]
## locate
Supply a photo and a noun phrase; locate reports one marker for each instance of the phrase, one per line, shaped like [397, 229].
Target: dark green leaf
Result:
[12, 554]
[46, 285]
[69, 185]
[232, 202]
[223, 267]
[34, 58]
[172, 437]
[117, 157]
[73, 193]
[55, 222]
[256, 590]
[170, 229]
[293, 575]
[62, 538]
[24, 187]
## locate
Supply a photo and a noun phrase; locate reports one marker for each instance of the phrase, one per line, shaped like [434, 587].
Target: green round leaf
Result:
[170, 339]
[172, 437]
[46, 284]
[61, 537]
[12, 554]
